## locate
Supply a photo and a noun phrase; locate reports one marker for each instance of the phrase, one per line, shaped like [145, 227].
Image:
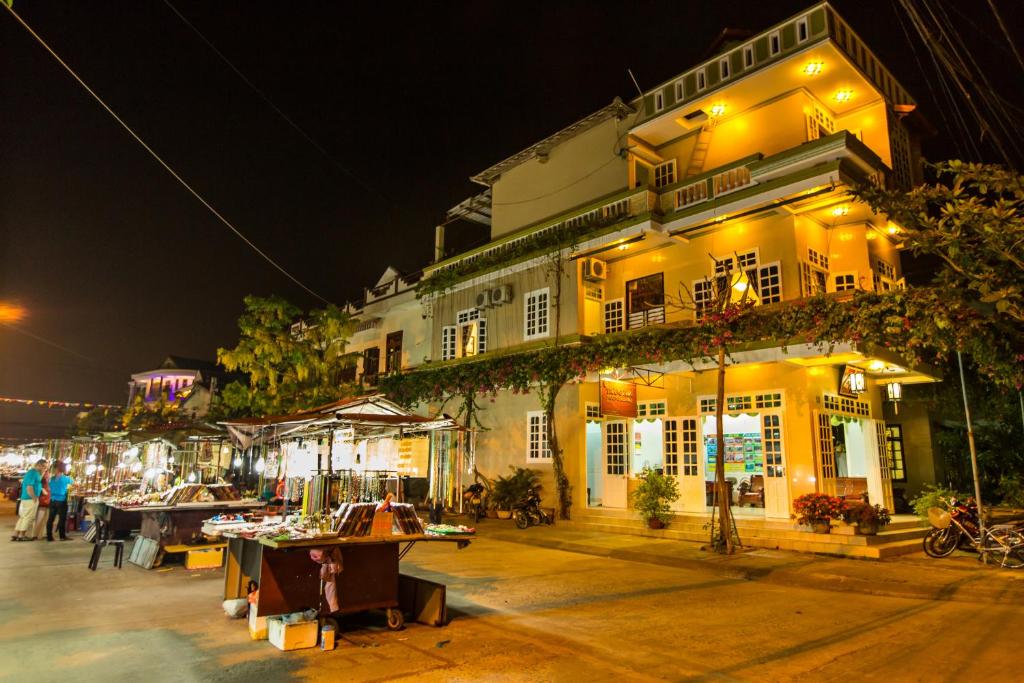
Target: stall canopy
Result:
[366, 416]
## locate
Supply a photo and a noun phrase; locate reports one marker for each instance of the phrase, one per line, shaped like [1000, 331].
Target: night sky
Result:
[118, 265]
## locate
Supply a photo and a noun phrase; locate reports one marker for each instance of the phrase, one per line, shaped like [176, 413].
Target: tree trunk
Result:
[725, 542]
[562, 487]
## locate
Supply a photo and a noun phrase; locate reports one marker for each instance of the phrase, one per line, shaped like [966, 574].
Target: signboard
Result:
[618, 398]
[852, 383]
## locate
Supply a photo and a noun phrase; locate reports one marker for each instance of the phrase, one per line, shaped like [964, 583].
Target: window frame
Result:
[702, 80]
[537, 450]
[803, 23]
[449, 342]
[621, 304]
[629, 301]
[724, 68]
[546, 323]
[749, 57]
[774, 43]
[667, 177]
[659, 101]
[680, 90]
[890, 452]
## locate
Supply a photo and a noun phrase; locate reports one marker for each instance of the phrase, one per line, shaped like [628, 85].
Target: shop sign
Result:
[852, 384]
[618, 398]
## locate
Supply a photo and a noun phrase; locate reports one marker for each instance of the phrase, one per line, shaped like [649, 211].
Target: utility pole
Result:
[974, 457]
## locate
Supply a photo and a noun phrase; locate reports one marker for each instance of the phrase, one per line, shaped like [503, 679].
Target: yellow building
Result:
[736, 171]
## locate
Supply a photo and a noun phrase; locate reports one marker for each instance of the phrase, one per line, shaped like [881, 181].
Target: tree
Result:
[141, 416]
[98, 420]
[972, 219]
[293, 361]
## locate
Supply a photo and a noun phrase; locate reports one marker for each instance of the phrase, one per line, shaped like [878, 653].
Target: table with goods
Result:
[299, 574]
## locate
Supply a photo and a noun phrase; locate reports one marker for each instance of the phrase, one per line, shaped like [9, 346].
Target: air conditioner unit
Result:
[595, 270]
[483, 299]
[501, 295]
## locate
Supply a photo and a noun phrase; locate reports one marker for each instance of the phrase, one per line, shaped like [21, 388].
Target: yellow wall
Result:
[536, 190]
[770, 128]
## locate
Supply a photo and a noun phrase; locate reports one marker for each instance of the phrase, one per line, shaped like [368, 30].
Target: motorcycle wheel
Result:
[521, 520]
[1013, 541]
[535, 518]
[941, 542]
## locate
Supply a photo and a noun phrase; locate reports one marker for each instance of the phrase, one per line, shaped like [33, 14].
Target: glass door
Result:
[616, 470]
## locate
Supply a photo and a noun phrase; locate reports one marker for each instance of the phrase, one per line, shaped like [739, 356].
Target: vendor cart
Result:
[289, 580]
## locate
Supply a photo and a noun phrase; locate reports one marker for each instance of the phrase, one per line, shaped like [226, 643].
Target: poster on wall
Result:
[742, 453]
[852, 382]
[618, 398]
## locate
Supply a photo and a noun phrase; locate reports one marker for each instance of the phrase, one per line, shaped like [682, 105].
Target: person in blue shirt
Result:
[59, 485]
[31, 487]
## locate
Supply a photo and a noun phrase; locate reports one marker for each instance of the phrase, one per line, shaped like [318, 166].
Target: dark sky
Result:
[118, 264]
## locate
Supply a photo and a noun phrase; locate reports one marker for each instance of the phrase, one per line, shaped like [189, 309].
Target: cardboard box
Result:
[295, 636]
[383, 522]
[257, 625]
[204, 558]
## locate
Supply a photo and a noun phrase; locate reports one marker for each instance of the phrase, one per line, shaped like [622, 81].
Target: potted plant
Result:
[817, 510]
[652, 496]
[867, 518]
[512, 488]
[502, 497]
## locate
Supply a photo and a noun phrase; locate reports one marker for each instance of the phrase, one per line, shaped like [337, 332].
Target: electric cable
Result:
[298, 129]
[159, 160]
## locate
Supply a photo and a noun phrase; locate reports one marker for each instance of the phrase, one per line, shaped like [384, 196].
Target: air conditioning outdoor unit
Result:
[501, 295]
[595, 270]
[483, 299]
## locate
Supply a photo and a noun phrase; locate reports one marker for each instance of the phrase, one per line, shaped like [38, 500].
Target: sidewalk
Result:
[959, 578]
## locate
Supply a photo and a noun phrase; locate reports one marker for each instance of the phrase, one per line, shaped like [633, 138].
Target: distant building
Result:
[188, 382]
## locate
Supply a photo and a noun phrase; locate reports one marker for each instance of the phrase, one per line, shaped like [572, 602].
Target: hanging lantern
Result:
[894, 392]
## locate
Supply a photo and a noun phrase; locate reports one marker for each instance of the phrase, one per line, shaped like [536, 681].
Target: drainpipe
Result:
[438, 243]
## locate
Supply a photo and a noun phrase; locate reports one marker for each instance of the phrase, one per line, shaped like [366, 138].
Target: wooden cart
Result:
[289, 580]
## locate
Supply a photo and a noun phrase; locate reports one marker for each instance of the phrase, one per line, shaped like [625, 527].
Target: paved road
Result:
[521, 613]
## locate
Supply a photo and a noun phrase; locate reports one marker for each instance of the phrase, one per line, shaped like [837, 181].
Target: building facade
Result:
[736, 171]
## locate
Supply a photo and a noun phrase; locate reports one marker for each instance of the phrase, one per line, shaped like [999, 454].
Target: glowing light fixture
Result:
[843, 96]
[92, 457]
[136, 466]
[840, 210]
[131, 452]
[717, 109]
[150, 473]
[894, 392]
[261, 464]
[623, 247]
[238, 461]
[90, 469]
[192, 477]
[876, 366]
[892, 228]
[845, 236]
[814, 68]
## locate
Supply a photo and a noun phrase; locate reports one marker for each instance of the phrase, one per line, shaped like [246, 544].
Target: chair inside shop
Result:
[751, 492]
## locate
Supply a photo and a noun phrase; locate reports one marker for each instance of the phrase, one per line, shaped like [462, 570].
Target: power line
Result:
[298, 129]
[159, 160]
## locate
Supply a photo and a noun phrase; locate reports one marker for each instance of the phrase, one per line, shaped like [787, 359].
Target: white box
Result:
[291, 636]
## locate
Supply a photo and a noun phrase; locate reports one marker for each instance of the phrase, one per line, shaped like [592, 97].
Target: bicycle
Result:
[959, 528]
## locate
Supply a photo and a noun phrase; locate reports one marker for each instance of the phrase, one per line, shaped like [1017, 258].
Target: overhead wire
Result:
[160, 160]
[266, 99]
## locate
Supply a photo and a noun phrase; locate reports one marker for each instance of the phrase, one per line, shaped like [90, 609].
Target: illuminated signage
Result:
[618, 398]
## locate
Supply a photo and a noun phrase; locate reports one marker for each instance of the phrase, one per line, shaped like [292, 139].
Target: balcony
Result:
[610, 213]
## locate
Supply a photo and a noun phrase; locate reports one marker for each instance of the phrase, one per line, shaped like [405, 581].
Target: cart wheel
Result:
[396, 620]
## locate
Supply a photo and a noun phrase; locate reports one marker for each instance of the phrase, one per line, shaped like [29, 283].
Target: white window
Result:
[651, 408]
[703, 296]
[665, 174]
[820, 125]
[802, 33]
[771, 445]
[672, 447]
[679, 91]
[472, 332]
[536, 317]
[686, 446]
[748, 56]
[659, 101]
[592, 410]
[723, 68]
[537, 436]
[448, 342]
[702, 79]
[816, 258]
[844, 282]
[813, 279]
[769, 283]
[614, 316]
[774, 44]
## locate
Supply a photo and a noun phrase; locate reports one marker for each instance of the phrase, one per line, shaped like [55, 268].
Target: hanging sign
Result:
[852, 384]
[618, 398]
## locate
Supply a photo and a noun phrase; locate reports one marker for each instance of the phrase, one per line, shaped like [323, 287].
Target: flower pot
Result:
[867, 528]
[821, 527]
[655, 523]
[504, 514]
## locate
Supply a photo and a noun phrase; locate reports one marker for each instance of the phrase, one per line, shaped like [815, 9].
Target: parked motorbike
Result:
[958, 527]
[473, 501]
[528, 512]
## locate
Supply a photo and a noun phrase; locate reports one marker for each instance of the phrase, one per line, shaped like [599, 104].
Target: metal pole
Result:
[974, 456]
[1020, 395]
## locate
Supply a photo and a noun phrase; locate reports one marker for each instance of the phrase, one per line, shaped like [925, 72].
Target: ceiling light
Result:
[876, 366]
[840, 210]
[814, 68]
[623, 247]
[717, 109]
[843, 96]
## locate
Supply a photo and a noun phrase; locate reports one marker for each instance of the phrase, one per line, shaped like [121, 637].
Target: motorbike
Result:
[528, 512]
[959, 527]
[473, 500]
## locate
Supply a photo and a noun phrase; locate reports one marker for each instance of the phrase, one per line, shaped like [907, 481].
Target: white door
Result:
[616, 465]
[878, 466]
[826, 447]
[776, 483]
[683, 462]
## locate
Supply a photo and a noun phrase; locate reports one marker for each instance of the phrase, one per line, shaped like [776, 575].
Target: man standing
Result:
[59, 484]
[31, 487]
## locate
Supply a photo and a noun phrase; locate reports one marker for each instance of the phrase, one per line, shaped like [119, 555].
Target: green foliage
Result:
[511, 488]
[933, 497]
[863, 513]
[141, 416]
[98, 420]
[972, 219]
[655, 493]
[287, 371]
[1011, 490]
[812, 508]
